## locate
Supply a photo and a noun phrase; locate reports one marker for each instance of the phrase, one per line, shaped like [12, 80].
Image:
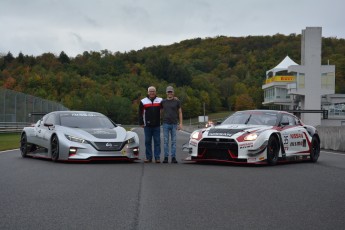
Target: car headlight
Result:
[131, 140]
[75, 139]
[196, 135]
[251, 137]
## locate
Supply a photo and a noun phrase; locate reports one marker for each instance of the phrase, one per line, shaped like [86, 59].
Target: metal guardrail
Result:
[12, 127]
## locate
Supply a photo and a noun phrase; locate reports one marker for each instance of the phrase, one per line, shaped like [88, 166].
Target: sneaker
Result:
[148, 160]
[173, 160]
[165, 160]
[158, 161]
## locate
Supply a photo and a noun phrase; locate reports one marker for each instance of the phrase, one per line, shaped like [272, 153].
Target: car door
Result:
[34, 135]
[47, 129]
[294, 139]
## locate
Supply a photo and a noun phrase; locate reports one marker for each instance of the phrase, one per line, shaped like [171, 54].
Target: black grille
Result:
[109, 146]
[218, 148]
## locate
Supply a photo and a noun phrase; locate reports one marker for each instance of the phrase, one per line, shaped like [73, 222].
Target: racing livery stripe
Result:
[241, 138]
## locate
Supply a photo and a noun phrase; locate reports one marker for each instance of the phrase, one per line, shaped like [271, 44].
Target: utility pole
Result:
[204, 113]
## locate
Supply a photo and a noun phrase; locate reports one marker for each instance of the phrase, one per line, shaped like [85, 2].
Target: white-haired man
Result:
[149, 119]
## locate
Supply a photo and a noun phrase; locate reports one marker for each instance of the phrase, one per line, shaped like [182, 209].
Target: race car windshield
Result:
[252, 119]
[86, 121]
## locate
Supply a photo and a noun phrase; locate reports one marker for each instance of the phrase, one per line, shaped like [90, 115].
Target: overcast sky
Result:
[34, 27]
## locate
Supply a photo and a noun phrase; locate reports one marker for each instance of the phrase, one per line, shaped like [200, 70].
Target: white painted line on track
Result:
[5, 151]
[335, 153]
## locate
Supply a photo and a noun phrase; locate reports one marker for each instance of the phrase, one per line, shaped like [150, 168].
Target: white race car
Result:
[78, 135]
[255, 137]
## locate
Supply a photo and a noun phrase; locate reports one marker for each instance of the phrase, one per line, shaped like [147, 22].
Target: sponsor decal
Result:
[280, 78]
[101, 132]
[246, 145]
[285, 139]
[220, 134]
[296, 135]
[83, 115]
[287, 78]
[223, 132]
[251, 159]
[296, 143]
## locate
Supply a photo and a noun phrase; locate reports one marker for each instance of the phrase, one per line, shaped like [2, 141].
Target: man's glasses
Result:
[170, 92]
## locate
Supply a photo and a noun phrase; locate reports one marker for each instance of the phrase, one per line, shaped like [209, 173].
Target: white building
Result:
[308, 86]
[275, 87]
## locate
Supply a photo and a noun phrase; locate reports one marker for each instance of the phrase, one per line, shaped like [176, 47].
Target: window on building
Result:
[301, 81]
[328, 81]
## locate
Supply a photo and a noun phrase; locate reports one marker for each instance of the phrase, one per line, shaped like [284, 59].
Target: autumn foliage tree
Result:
[244, 102]
[222, 73]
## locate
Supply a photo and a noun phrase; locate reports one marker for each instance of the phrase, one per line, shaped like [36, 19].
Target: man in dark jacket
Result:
[149, 119]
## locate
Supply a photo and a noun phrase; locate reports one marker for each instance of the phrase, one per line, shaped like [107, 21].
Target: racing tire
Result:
[273, 148]
[24, 146]
[55, 148]
[315, 150]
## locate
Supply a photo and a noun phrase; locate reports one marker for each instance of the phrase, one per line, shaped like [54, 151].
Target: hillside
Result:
[225, 73]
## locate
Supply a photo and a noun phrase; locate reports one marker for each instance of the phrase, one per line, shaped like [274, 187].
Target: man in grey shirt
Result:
[172, 121]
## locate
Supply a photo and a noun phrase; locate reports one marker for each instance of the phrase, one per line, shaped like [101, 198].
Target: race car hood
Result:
[102, 133]
[117, 133]
[230, 130]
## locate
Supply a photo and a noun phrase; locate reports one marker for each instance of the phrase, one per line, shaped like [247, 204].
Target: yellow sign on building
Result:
[280, 78]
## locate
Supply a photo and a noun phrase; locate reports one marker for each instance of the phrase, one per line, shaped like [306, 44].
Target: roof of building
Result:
[283, 65]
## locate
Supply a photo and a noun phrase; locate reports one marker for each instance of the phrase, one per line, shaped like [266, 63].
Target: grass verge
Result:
[9, 141]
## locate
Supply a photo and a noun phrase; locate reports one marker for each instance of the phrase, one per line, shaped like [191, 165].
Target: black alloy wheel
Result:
[55, 148]
[315, 150]
[24, 145]
[272, 150]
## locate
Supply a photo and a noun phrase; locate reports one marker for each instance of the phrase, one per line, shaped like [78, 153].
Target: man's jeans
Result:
[169, 129]
[155, 134]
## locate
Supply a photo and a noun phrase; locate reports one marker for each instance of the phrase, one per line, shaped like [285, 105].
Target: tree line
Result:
[224, 73]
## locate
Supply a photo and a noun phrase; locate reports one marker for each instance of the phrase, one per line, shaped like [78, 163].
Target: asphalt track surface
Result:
[41, 194]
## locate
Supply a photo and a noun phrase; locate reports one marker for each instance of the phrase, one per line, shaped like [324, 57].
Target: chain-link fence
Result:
[19, 107]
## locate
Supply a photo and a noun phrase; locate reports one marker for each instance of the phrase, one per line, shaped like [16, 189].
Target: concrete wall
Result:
[332, 122]
[332, 137]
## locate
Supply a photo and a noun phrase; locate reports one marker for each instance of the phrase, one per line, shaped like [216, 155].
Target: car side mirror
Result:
[48, 125]
[284, 123]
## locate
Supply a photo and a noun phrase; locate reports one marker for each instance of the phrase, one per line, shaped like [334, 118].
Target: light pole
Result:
[204, 114]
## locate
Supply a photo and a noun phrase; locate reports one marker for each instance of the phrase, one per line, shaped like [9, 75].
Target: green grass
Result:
[9, 141]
